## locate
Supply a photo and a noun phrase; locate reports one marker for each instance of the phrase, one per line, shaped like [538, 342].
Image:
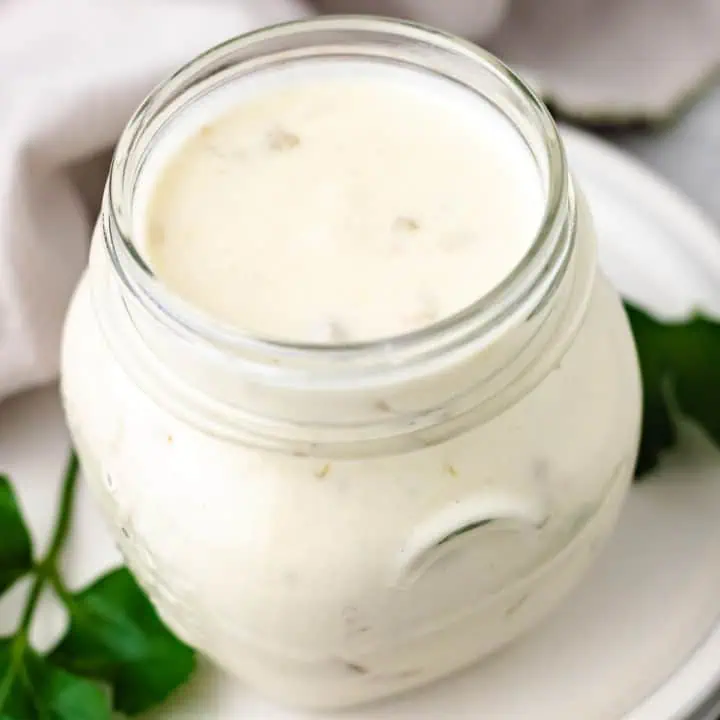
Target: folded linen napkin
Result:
[607, 60]
[72, 71]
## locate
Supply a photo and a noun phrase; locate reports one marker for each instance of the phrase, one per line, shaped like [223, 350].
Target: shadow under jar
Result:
[336, 523]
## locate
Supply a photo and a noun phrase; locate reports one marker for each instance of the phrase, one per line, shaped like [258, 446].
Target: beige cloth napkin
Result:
[607, 60]
[72, 71]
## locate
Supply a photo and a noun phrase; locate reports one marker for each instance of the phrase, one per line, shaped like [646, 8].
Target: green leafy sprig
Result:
[680, 369]
[116, 655]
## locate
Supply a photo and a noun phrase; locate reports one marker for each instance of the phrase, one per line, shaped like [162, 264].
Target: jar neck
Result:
[403, 393]
[281, 404]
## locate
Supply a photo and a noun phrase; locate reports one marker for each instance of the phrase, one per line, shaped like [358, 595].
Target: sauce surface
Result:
[340, 209]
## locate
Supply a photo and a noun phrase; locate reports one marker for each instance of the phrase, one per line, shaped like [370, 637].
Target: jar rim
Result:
[526, 287]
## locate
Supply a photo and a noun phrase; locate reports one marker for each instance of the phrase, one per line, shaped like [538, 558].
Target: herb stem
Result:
[31, 604]
[46, 568]
[16, 660]
[69, 486]
[61, 589]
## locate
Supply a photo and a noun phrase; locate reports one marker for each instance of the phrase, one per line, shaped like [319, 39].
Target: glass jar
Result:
[339, 523]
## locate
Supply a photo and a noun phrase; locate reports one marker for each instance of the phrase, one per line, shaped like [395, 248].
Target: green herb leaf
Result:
[115, 635]
[32, 689]
[680, 364]
[14, 700]
[15, 546]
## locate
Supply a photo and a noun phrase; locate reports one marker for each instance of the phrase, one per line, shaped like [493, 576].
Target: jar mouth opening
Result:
[517, 296]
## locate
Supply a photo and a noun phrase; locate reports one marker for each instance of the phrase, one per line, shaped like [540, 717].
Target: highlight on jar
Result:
[369, 407]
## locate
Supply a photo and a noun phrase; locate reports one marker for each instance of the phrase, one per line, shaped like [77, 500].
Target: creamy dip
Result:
[355, 202]
[339, 209]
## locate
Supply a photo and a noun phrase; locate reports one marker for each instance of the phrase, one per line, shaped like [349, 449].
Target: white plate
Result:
[640, 640]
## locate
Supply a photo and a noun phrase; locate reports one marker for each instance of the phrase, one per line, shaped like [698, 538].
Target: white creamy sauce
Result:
[338, 208]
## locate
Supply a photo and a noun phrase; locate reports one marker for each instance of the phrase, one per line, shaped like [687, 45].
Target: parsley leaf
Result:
[680, 367]
[32, 689]
[16, 547]
[116, 636]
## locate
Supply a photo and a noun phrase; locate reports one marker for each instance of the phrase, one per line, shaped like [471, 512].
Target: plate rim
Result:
[701, 240]
[692, 690]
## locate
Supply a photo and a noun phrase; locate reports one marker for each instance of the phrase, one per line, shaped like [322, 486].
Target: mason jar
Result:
[338, 523]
